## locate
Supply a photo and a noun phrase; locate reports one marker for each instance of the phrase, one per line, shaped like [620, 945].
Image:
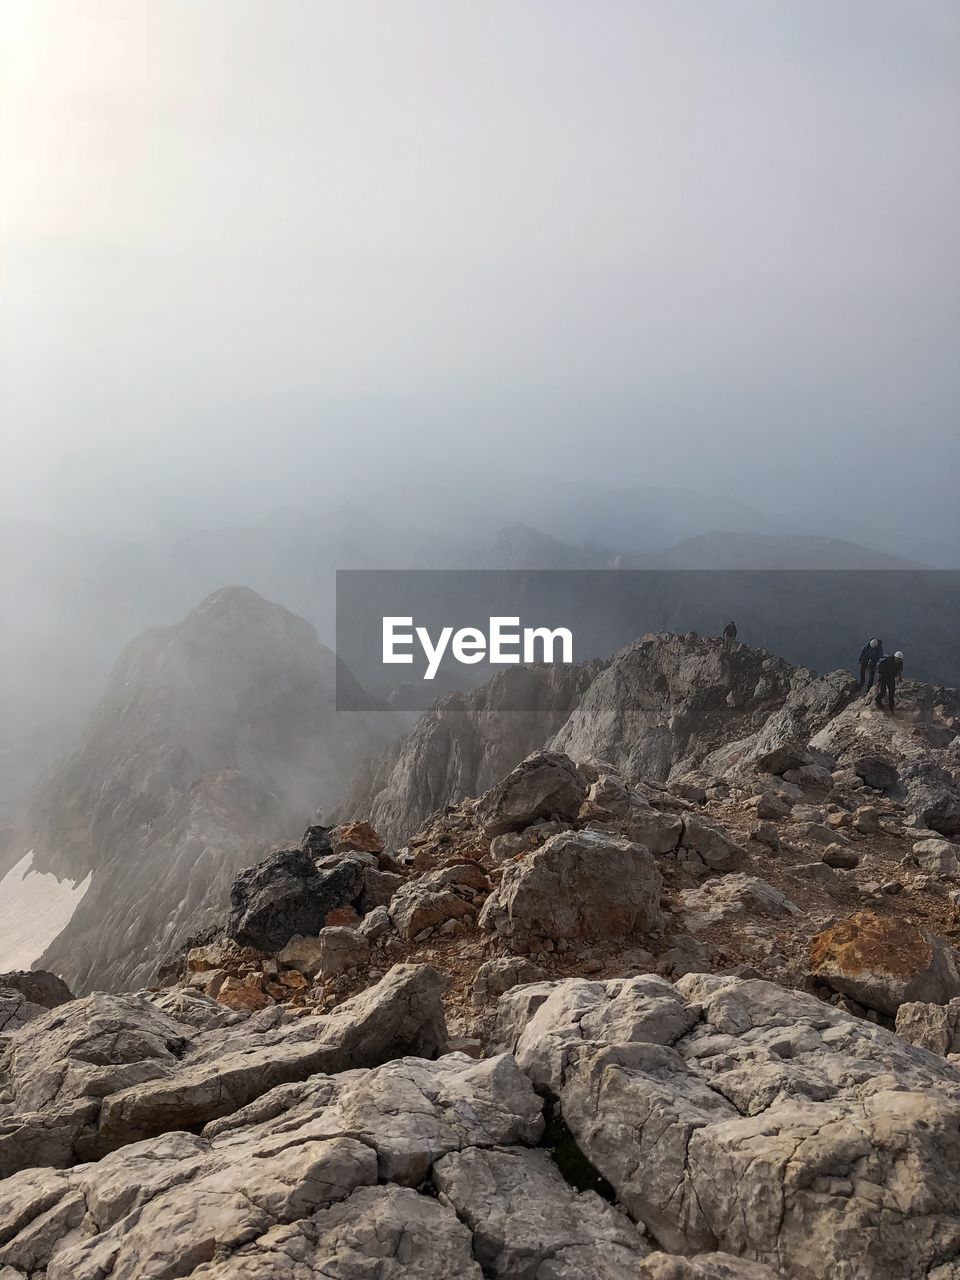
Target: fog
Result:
[291, 285]
[254, 251]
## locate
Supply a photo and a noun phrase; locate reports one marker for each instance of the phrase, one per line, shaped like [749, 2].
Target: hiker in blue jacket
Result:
[870, 655]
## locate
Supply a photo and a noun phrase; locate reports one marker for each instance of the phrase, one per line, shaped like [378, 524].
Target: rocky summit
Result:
[671, 992]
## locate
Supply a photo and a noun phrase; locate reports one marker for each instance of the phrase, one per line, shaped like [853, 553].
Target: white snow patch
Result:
[34, 907]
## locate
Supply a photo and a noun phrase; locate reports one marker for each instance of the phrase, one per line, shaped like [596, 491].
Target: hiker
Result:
[730, 634]
[870, 655]
[889, 671]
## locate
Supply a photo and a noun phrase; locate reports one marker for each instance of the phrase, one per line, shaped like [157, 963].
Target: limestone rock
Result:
[106, 1071]
[931, 1026]
[933, 794]
[785, 756]
[334, 950]
[733, 1115]
[658, 831]
[732, 897]
[434, 899]
[938, 857]
[711, 843]
[866, 820]
[378, 888]
[494, 977]
[293, 1179]
[607, 798]
[578, 886]
[545, 785]
[883, 962]
[527, 1222]
[705, 1266]
[16, 1011]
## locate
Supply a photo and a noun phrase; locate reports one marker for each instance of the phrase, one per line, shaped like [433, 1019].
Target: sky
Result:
[255, 250]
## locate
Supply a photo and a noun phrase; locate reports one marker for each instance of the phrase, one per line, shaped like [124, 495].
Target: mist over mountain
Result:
[217, 736]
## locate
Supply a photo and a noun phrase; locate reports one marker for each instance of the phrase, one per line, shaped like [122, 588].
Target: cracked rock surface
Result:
[733, 1115]
[105, 1071]
[716, 1128]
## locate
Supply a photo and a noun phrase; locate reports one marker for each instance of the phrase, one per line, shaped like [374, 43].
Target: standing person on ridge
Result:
[870, 655]
[889, 671]
[730, 634]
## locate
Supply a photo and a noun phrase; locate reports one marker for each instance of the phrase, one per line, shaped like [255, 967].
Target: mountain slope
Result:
[462, 744]
[216, 737]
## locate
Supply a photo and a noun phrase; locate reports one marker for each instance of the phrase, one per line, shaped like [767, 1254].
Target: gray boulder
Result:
[437, 898]
[733, 897]
[579, 887]
[16, 1011]
[933, 794]
[713, 845]
[938, 857]
[733, 1115]
[545, 785]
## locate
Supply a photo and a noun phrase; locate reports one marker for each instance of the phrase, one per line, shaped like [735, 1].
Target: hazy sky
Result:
[257, 249]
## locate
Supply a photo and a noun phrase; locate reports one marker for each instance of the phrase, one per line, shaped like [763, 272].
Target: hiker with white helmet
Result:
[889, 671]
[870, 655]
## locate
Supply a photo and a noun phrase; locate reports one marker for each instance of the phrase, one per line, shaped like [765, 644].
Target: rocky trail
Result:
[675, 997]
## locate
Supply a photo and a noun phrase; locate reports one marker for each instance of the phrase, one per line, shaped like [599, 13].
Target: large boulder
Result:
[333, 951]
[577, 887]
[660, 832]
[287, 895]
[733, 1115]
[883, 962]
[784, 756]
[545, 785]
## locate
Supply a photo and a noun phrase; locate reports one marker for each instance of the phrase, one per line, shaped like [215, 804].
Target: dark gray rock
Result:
[38, 986]
[876, 771]
[287, 895]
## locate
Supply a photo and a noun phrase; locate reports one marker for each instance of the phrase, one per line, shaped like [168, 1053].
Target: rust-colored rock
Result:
[358, 836]
[246, 998]
[345, 916]
[882, 962]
